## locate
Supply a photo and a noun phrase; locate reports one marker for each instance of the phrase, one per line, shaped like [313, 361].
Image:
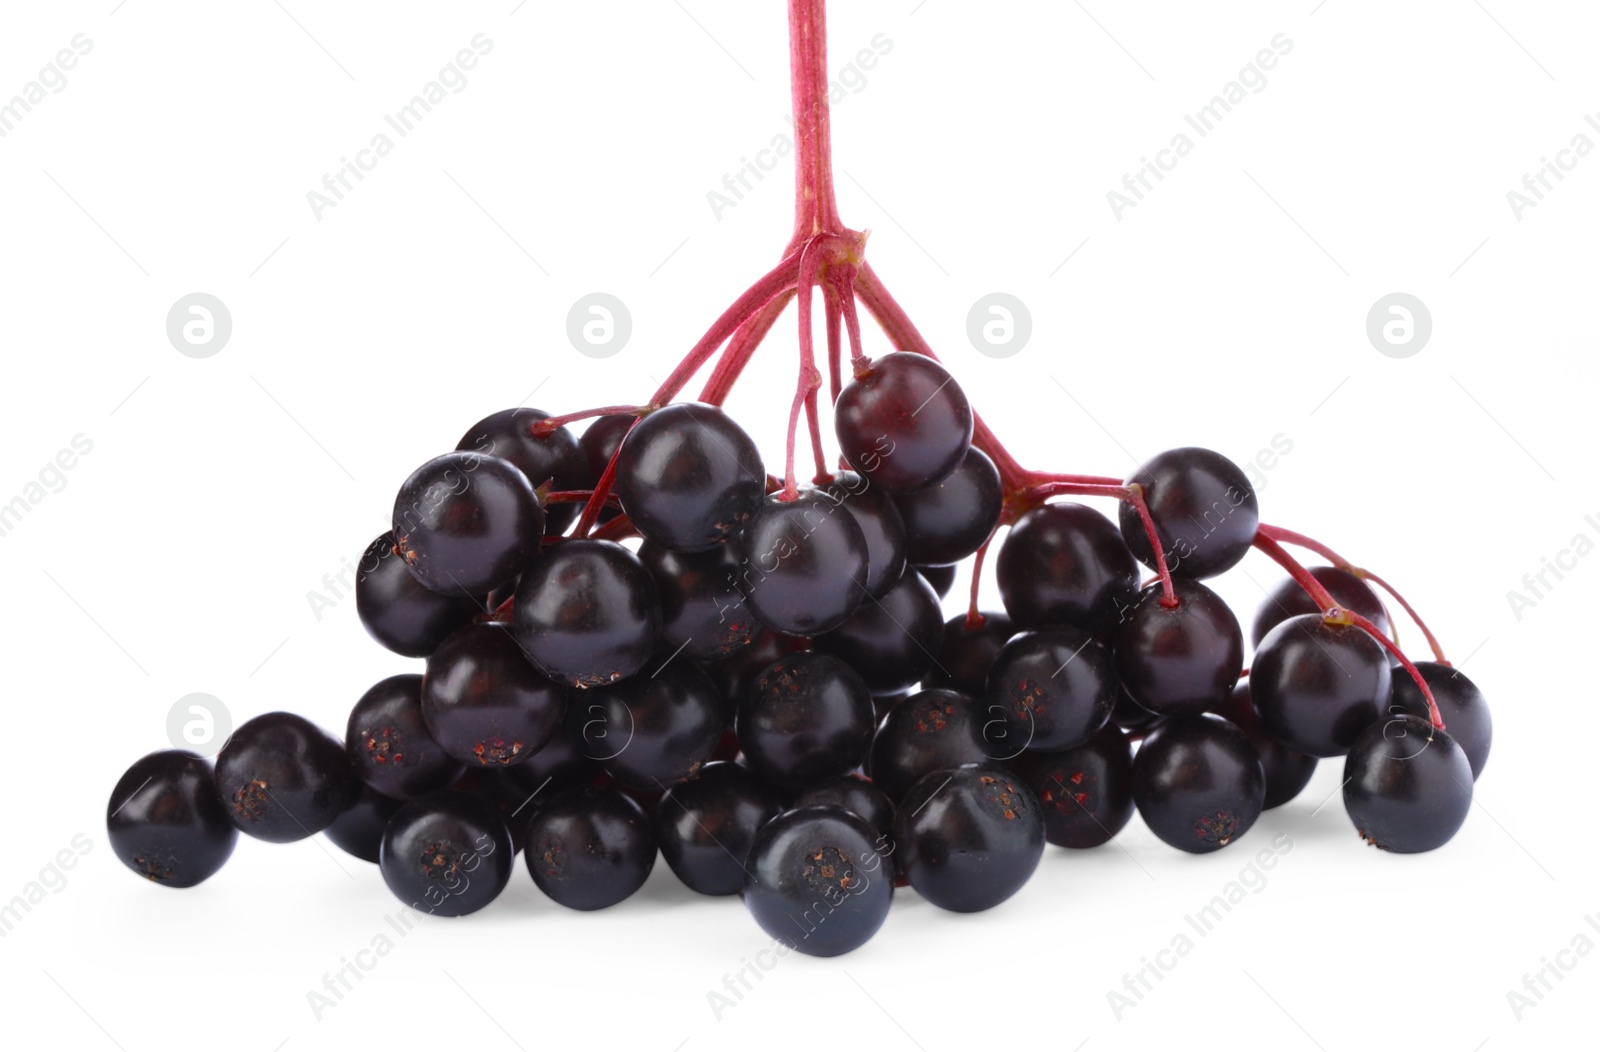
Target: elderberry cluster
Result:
[764, 688]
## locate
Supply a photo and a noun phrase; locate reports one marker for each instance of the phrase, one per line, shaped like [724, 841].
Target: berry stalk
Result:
[1300, 540]
[1333, 613]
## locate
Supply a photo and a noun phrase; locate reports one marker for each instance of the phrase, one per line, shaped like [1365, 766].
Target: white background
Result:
[1225, 309]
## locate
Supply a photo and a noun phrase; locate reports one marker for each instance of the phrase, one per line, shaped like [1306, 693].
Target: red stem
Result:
[975, 619]
[1300, 540]
[902, 332]
[548, 425]
[1101, 487]
[833, 291]
[815, 210]
[771, 285]
[1333, 613]
[740, 349]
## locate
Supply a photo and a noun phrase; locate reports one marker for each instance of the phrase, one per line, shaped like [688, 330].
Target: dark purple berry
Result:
[891, 639]
[689, 477]
[1204, 509]
[949, 520]
[282, 778]
[1290, 600]
[969, 838]
[1086, 793]
[166, 822]
[706, 826]
[1317, 686]
[398, 610]
[966, 654]
[1407, 786]
[587, 613]
[1462, 707]
[389, 744]
[1179, 661]
[704, 616]
[806, 718]
[875, 513]
[802, 564]
[1198, 783]
[484, 703]
[1054, 688]
[1065, 564]
[652, 730]
[466, 524]
[590, 848]
[903, 422]
[554, 458]
[816, 882]
[1287, 772]
[446, 854]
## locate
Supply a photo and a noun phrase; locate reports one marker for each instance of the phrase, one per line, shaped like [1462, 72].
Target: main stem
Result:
[815, 210]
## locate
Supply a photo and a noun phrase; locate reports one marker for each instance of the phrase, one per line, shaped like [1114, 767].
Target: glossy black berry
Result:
[599, 442]
[390, 746]
[735, 675]
[706, 826]
[553, 458]
[1179, 661]
[398, 610]
[484, 703]
[892, 639]
[587, 613]
[446, 854]
[1086, 793]
[282, 778]
[858, 796]
[874, 512]
[969, 838]
[1052, 687]
[931, 731]
[966, 653]
[1288, 600]
[1066, 564]
[1204, 509]
[1408, 786]
[1133, 717]
[1198, 783]
[949, 520]
[466, 524]
[359, 829]
[590, 848]
[806, 718]
[166, 822]
[1462, 707]
[816, 882]
[704, 616]
[903, 422]
[1287, 772]
[688, 476]
[802, 564]
[652, 730]
[1317, 686]
[943, 578]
